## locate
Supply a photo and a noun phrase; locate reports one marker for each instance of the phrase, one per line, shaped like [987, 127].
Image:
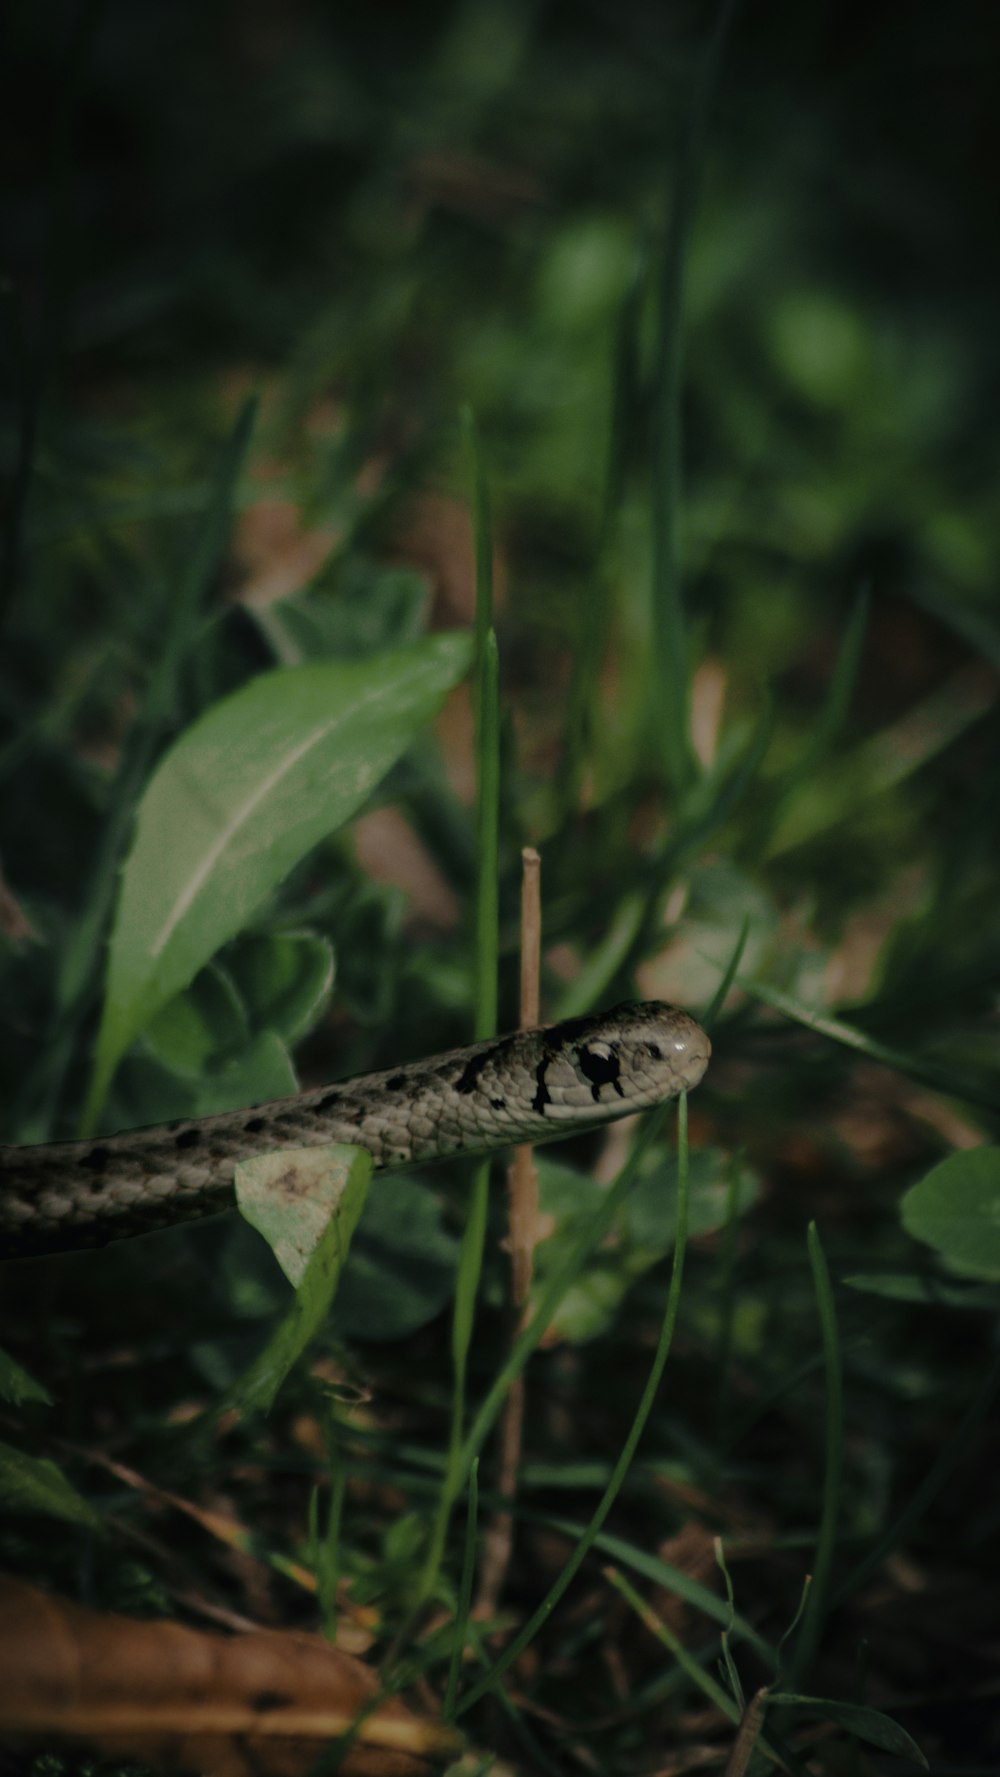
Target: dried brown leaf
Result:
[227, 1706]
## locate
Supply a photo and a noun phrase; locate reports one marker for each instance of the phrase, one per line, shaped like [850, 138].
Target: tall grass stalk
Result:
[816, 1603]
[464, 1595]
[624, 1462]
[486, 707]
[668, 626]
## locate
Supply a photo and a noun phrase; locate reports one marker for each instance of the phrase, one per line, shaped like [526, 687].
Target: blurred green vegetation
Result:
[368, 219]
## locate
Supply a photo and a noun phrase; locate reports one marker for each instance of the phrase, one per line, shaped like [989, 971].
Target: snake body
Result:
[532, 1086]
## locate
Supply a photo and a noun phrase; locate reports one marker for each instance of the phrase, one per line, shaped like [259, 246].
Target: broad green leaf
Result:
[368, 609]
[649, 1214]
[284, 980]
[16, 1385]
[259, 1384]
[403, 1262]
[200, 1027]
[263, 1072]
[867, 1724]
[30, 1484]
[955, 1208]
[146, 1093]
[290, 1195]
[242, 796]
[645, 1228]
[564, 1194]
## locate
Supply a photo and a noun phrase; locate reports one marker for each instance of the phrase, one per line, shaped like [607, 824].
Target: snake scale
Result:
[532, 1086]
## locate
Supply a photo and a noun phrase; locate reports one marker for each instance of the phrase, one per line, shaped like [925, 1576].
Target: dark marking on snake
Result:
[95, 1159]
[566, 1032]
[601, 1070]
[468, 1079]
[632, 1053]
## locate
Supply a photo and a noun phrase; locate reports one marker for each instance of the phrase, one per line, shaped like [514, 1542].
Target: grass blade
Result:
[817, 1599]
[669, 633]
[942, 1079]
[464, 1596]
[624, 1462]
[486, 707]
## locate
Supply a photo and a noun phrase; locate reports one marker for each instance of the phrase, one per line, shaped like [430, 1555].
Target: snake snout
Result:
[677, 1043]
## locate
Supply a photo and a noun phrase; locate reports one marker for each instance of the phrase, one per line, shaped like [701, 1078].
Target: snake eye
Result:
[655, 1051]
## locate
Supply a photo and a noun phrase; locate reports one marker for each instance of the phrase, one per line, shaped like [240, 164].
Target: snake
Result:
[534, 1085]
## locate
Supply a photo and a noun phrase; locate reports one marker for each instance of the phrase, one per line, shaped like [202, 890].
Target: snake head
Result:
[624, 1060]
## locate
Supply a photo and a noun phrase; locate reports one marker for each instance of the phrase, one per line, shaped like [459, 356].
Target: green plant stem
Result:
[486, 705]
[668, 637]
[817, 1601]
[630, 1445]
[464, 1596]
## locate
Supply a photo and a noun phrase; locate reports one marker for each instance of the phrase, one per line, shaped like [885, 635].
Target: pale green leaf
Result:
[290, 1196]
[199, 1028]
[30, 1484]
[16, 1385]
[867, 1724]
[259, 1384]
[955, 1208]
[261, 1072]
[403, 1263]
[284, 979]
[242, 796]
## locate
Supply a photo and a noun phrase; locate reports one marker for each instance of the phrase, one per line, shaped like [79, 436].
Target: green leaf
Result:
[868, 1724]
[200, 1027]
[369, 609]
[591, 1303]
[649, 1214]
[30, 1484]
[290, 1196]
[284, 980]
[645, 1228]
[261, 1073]
[955, 1208]
[944, 1079]
[564, 1194]
[259, 1384]
[403, 1262]
[17, 1386]
[930, 1292]
[242, 796]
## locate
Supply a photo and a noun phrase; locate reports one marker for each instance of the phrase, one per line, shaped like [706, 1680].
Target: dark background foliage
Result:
[374, 215]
